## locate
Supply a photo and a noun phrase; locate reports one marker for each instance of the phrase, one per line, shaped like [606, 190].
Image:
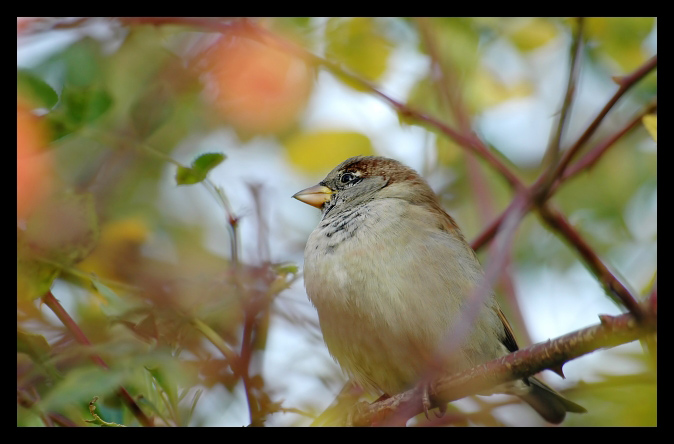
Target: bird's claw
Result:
[428, 403]
[426, 400]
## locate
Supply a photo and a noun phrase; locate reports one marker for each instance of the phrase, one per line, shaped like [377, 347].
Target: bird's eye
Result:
[347, 177]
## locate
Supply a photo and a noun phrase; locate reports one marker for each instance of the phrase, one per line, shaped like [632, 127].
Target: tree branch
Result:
[612, 331]
[552, 154]
[625, 84]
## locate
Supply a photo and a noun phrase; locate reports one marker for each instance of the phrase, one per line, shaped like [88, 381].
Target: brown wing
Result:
[509, 339]
[445, 221]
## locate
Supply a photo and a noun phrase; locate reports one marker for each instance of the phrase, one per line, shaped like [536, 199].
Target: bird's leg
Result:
[428, 403]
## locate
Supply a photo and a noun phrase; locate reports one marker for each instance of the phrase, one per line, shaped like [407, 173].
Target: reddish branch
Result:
[612, 331]
[552, 154]
[592, 156]
[626, 83]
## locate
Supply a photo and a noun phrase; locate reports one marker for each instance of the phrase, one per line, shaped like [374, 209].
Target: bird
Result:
[389, 272]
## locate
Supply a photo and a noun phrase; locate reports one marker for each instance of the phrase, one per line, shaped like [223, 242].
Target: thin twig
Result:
[626, 83]
[465, 321]
[552, 154]
[232, 218]
[444, 77]
[218, 193]
[246, 354]
[592, 156]
[215, 339]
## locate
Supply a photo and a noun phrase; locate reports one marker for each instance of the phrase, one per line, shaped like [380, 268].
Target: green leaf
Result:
[34, 345]
[286, 268]
[187, 176]
[620, 38]
[199, 169]
[78, 107]
[83, 63]
[85, 105]
[104, 290]
[37, 347]
[34, 89]
[166, 382]
[208, 161]
[33, 278]
[80, 385]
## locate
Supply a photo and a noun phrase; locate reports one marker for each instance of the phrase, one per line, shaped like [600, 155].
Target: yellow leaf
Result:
[118, 248]
[620, 38]
[358, 44]
[533, 33]
[485, 90]
[651, 124]
[320, 151]
[457, 40]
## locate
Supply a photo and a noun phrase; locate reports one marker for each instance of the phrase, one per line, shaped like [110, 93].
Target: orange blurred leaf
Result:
[33, 165]
[257, 87]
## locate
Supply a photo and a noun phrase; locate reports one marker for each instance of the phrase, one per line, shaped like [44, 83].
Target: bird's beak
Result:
[315, 196]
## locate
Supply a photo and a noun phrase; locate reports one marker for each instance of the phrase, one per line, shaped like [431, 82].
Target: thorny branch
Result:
[611, 332]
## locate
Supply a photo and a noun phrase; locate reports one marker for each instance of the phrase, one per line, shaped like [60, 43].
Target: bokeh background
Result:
[156, 158]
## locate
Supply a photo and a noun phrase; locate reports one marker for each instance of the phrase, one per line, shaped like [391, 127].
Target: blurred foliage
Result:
[336, 146]
[199, 169]
[257, 87]
[99, 123]
[621, 39]
[531, 33]
[651, 124]
[365, 33]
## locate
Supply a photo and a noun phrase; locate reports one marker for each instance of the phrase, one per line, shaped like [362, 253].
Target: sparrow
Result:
[389, 272]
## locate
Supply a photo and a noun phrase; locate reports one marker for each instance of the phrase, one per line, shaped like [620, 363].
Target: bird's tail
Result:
[551, 405]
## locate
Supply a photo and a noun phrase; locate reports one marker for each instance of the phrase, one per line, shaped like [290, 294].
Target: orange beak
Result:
[315, 196]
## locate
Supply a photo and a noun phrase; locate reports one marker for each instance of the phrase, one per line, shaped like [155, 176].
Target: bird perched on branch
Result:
[390, 273]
